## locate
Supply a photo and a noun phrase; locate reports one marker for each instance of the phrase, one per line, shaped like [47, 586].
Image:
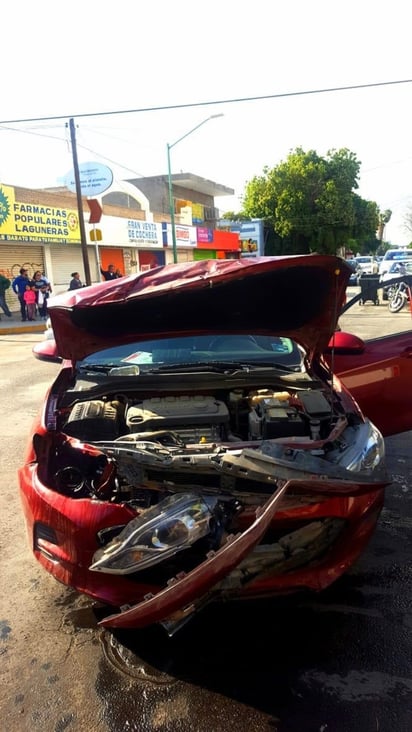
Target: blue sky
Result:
[101, 56]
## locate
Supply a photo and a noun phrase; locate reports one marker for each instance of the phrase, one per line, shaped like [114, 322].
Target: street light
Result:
[169, 177]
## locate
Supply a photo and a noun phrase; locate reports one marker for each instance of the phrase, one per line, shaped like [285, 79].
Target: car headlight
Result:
[366, 452]
[160, 532]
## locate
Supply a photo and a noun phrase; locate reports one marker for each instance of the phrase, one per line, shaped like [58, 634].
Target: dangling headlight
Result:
[366, 452]
[159, 533]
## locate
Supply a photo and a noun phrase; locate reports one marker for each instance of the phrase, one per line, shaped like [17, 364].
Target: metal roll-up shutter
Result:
[12, 258]
[66, 260]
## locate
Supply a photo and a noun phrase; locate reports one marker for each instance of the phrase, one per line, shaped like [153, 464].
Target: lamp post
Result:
[169, 178]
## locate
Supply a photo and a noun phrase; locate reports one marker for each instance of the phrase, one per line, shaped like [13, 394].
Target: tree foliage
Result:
[310, 203]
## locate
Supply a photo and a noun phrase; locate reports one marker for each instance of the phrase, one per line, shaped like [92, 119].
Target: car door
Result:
[378, 373]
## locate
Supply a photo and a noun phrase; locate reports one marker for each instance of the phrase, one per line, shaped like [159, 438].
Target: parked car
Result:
[195, 445]
[367, 265]
[394, 255]
[353, 264]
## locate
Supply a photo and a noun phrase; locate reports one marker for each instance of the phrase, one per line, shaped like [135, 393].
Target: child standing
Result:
[30, 300]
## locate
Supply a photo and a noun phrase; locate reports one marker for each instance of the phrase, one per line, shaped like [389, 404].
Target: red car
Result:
[195, 445]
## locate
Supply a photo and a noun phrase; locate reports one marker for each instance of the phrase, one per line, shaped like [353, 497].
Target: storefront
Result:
[250, 235]
[131, 245]
[186, 242]
[215, 244]
[35, 227]
[68, 259]
[15, 256]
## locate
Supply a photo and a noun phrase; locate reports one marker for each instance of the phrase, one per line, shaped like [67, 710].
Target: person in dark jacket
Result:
[75, 281]
[109, 274]
[18, 286]
[4, 285]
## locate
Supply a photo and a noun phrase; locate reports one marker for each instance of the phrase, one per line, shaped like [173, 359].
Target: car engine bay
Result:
[235, 441]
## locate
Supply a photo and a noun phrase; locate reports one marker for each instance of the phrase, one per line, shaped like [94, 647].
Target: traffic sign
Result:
[95, 210]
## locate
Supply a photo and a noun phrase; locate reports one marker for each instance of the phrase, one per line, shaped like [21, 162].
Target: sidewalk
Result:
[13, 325]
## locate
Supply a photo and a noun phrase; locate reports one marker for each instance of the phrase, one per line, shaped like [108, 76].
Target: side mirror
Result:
[345, 343]
[46, 351]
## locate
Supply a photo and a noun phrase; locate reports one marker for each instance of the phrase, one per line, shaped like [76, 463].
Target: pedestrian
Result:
[4, 285]
[118, 273]
[109, 274]
[75, 281]
[30, 300]
[19, 288]
[43, 289]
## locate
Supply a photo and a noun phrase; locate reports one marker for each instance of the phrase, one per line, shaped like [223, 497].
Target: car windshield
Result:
[204, 350]
[398, 255]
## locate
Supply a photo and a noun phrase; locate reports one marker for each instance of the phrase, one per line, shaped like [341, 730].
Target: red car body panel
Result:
[297, 297]
[378, 374]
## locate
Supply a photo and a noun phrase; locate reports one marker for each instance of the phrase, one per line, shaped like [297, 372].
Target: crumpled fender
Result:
[186, 588]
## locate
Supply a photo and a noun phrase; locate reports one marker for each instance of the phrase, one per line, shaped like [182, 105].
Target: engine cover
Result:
[197, 415]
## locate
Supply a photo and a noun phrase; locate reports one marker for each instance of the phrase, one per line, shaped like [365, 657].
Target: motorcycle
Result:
[398, 295]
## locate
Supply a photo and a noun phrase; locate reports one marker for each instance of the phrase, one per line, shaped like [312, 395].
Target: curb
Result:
[15, 330]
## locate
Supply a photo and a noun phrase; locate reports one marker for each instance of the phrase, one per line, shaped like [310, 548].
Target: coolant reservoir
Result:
[265, 394]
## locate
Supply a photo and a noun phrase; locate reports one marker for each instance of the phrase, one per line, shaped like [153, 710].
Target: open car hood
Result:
[296, 296]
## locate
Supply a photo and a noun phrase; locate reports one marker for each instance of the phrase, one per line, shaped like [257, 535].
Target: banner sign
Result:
[186, 236]
[22, 221]
[204, 234]
[143, 232]
[94, 178]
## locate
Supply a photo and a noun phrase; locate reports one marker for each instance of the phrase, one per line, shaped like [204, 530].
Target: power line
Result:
[168, 107]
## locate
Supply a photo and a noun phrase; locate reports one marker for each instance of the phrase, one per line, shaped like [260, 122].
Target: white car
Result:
[394, 255]
[367, 265]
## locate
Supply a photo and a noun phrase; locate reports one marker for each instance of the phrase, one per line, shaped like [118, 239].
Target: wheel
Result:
[397, 302]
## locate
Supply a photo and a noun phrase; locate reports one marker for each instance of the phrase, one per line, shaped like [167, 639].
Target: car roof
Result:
[398, 254]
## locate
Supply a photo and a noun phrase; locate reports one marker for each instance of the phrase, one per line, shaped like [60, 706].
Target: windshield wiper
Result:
[218, 367]
[103, 368]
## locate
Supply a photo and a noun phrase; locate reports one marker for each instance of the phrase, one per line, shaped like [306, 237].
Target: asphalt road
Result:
[336, 662]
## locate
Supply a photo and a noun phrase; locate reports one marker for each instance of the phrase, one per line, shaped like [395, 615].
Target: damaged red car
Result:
[195, 445]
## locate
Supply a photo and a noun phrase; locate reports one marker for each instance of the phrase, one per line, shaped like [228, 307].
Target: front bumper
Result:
[63, 535]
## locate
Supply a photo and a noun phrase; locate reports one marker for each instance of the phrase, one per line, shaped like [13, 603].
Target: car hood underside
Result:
[299, 297]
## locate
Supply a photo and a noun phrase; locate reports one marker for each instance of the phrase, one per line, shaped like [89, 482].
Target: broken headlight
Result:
[366, 449]
[160, 532]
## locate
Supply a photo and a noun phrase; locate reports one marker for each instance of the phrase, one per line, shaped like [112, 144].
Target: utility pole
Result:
[80, 204]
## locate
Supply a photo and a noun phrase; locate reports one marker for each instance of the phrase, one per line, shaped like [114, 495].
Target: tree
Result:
[310, 202]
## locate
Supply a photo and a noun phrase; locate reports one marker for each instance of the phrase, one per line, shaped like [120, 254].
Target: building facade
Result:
[41, 229]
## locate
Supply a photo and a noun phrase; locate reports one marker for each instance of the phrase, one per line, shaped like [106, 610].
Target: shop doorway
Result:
[112, 256]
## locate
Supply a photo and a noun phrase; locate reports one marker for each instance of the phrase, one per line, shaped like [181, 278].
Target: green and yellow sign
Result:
[21, 221]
